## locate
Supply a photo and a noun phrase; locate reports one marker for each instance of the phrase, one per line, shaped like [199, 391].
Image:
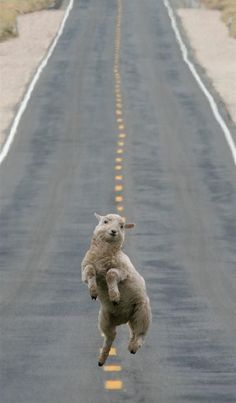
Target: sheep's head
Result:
[111, 229]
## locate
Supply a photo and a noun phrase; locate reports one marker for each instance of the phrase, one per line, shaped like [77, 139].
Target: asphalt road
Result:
[179, 188]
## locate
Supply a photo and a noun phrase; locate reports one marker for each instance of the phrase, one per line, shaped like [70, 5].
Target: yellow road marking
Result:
[122, 135]
[112, 368]
[120, 151]
[119, 177]
[117, 384]
[118, 188]
[120, 208]
[119, 198]
[114, 385]
[113, 351]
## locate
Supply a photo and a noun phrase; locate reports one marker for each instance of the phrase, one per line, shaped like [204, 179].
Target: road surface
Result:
[179, 186]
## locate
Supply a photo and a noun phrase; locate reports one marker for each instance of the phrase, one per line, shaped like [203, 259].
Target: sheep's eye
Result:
[105, 221]
[121, 226]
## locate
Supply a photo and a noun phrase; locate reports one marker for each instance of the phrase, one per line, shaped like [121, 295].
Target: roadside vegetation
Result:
[228, 12]
[10, 9]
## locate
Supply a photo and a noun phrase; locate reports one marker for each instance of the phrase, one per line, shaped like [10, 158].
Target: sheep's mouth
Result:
[111, 237]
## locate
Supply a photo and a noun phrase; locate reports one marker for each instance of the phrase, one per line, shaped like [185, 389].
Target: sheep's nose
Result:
[113, 232]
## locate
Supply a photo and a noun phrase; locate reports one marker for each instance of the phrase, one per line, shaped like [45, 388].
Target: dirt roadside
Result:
[19, 58]
[214, 50]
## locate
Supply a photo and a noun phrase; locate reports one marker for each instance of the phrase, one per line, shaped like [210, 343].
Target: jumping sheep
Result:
[112, 278]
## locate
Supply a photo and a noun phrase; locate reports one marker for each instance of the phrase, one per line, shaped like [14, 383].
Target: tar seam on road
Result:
[27, 96]
[198, 79]
[117, 384]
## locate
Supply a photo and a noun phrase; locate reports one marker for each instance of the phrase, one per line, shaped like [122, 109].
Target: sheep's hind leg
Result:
[109, 334]
[138, 325]
[135, 341]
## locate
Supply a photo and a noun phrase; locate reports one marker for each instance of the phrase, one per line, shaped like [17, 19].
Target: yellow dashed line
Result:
[119, 177]
[121, 143]
[119, 151]
[114, 385]
[122, 135]
[119, 198]
[112, 368]
[117, 384]
[120, 208]
[113, 351]
[118, 188]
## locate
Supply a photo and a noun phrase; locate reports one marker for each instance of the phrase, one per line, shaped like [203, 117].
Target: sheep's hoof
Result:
[100, 364]
[93, 292]
[114, 297]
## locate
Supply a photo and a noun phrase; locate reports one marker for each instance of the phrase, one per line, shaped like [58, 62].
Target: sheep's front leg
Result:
[89, 276]
[113, 277]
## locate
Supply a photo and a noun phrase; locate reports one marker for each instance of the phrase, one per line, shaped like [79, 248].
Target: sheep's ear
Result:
[129, 226]
[98, 216]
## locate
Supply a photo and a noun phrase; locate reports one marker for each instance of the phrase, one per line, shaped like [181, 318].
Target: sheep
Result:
[112, 278]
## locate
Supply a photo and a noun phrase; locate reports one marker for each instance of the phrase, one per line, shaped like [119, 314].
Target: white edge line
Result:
[210, 98]
[30, 89]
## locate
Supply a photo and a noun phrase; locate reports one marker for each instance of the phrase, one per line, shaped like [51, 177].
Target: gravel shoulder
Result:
[215, 51]
[19, 58]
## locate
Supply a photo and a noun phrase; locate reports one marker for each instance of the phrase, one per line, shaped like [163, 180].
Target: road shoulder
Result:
[19, 58]
[214, 50]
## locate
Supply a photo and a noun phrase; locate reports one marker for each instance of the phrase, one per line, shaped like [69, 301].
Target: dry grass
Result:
[10, 9]
[228, 12]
